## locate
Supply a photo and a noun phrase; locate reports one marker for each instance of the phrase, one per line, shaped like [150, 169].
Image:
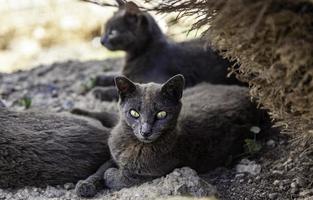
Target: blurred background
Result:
[34, 32]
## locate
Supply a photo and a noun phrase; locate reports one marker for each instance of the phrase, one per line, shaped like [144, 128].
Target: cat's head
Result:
[129, 28]
[150, 109]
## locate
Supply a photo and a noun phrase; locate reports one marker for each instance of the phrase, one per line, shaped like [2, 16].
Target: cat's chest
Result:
[140, 158]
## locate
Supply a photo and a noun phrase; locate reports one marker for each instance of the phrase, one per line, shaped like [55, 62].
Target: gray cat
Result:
[39, 149]
[158, 130]
[152, 57]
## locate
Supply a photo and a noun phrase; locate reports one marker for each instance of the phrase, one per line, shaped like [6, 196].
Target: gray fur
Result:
[47, 149]
[152, 57]
[209, 128]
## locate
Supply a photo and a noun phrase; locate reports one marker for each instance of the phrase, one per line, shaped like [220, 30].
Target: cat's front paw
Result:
[78, 111]
[85, 189]
[113, 179]
[98, 93]
[105, 94]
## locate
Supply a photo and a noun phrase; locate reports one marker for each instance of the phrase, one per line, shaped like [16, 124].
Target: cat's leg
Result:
[89, 186]
[107, 119]
[105, 93]
[105, 80]
[117, 179]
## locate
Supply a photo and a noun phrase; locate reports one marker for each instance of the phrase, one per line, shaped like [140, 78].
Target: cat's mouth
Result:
[147, 140]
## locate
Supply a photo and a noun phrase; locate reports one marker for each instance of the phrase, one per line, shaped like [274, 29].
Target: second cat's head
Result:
[129, 29]
[151, 110]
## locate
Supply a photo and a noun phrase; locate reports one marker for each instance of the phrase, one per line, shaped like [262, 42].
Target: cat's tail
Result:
[107, 119]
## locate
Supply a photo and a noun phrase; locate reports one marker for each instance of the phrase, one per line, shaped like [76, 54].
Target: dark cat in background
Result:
[151, 57]
[158, 130]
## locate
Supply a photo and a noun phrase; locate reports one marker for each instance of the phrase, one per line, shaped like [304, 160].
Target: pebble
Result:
[240, 175]
[276, 182]
[293, 185]
[277, 172]
[300, 181]
[69, 186]
[247, 166]
[271, 143]
[294, 188]
[273, 196]
[255, 129]
[176, 173]
[67, 104]
[305, 193]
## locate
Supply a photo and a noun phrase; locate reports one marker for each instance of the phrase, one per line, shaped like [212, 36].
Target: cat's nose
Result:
[146, 130]
[103, 40]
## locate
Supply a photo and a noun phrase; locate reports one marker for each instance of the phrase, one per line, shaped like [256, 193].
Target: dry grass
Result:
[273, 42]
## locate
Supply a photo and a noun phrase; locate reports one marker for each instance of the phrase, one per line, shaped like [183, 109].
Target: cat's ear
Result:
[133, 15]
[131, 8]
[173, 88]
[124, 86]
[121, 3]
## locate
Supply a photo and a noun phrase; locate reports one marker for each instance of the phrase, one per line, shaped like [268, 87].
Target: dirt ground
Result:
[280, 170]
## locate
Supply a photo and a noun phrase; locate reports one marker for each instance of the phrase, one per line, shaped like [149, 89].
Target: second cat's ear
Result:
[131, 8]
[173, 88]
[132, 15]
[121, 2]
[124, 85]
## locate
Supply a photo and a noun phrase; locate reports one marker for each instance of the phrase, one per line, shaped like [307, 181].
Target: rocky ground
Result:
[274, 169]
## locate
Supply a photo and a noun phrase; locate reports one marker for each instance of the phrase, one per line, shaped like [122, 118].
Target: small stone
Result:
[69, 186]
[300, 181]
[305, 193]
[176, 173]
[271, 143]
[68, 105]
[273, 196]
[293, 185]
[277, 172]
[247, 166]
[239, 175]
[285, 181]
[52, 192]
[255, 129]
[54, 94]
[276, 182]
[181, 190]
[294, 190]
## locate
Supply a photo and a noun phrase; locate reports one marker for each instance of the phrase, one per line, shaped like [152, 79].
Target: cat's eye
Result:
[134, 113]
[161, 115]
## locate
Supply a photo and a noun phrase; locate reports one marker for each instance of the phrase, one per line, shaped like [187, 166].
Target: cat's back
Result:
[207, 106]
[204, 96]
[214, 121]
[198, 61]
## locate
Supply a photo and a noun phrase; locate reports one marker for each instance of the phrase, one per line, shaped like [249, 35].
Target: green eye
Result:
[161, 115]
[134, 113]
